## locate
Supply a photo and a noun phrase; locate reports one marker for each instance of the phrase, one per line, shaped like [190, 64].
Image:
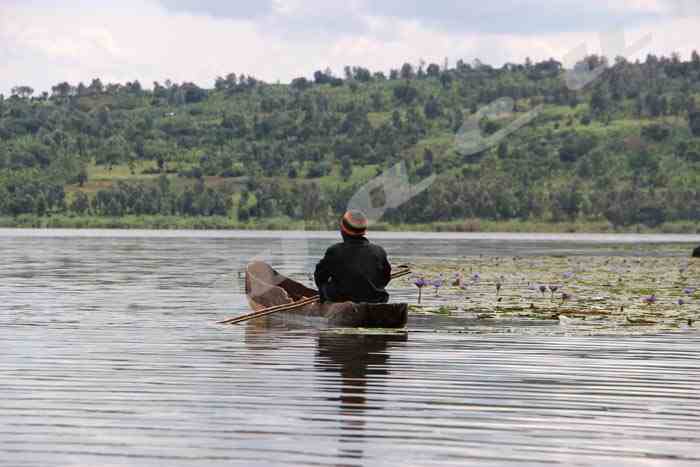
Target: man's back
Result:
[358, 271]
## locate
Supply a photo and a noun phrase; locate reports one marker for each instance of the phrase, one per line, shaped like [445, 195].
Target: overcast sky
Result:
[43, 42]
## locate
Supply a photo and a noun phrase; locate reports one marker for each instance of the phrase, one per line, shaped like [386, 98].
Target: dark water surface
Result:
[109, 356]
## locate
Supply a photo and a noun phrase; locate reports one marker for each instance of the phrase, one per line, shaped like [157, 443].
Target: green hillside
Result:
[622, 152]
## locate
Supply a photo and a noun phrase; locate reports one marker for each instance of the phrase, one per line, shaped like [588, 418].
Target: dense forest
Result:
[624, 150]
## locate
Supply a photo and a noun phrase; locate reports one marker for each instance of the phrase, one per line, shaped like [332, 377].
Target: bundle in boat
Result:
[267, 288]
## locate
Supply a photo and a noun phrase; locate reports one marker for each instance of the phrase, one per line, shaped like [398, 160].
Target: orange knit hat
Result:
[354, 223]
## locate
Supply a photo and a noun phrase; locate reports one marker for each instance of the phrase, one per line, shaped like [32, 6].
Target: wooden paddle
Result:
[289, 306]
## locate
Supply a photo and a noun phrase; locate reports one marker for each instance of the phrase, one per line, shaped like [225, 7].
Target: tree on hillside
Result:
[433, 70]
[446, 79]
[600, 100]
[377, 101]
[457, 119]
[361, 74]
[405, 93]
[62, 90]
[114, 151]
[310, 196]
[694, 123]
[427, 168]
[407, 71]
[346, 168]
[192, 93]
[23, 92]
[82, 177]
[433, 108]
[396, 121]
[567, 202]
[321, 77]
[503, 150]
[300, 84]
[96, 86]
[80, 204]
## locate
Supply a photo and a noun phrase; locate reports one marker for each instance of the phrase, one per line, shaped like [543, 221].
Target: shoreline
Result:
[281, 224]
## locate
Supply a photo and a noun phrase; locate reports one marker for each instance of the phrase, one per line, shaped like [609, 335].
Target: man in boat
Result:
[354, 270]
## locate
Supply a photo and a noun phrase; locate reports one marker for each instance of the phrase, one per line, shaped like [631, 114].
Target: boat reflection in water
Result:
[348, 364]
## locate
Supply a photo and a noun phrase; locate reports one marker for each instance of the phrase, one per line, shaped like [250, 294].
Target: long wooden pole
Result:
[289, 306]
[283, 307]
[267, 311]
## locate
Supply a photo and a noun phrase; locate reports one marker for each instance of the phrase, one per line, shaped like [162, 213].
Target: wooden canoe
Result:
[265, 287]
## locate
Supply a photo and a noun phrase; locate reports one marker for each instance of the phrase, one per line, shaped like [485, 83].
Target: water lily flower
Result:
[688, 291]
[553, 288]
[543, 289]
[476, 277]
[420, 283]
[568, 275]
[565, 296]
[650, 300]
[437, 283]
[681, 302]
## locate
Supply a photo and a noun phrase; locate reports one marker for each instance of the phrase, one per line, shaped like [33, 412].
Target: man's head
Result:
[354, 224]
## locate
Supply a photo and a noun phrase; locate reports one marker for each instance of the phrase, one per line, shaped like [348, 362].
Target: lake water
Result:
[110, 356]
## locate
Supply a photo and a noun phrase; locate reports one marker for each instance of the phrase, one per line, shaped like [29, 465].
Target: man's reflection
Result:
[356, 358]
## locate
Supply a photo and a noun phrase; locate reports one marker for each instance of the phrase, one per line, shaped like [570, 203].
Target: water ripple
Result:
[110, 357]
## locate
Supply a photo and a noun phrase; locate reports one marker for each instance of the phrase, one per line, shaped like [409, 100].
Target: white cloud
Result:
[286, 7]
[43, 43]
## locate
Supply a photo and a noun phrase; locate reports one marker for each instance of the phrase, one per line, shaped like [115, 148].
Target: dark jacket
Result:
[354, 270]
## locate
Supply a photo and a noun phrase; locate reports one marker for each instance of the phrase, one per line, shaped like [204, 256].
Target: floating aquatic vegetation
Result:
[627, 295]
